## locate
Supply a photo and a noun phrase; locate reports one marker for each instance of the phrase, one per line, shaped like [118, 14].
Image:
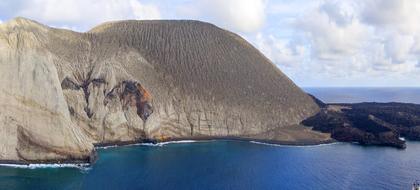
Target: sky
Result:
[315, 42]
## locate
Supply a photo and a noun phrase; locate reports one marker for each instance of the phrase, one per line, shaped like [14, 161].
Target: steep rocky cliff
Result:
[63, 91]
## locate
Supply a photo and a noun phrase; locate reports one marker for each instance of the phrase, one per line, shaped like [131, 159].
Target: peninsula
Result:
[369, 123]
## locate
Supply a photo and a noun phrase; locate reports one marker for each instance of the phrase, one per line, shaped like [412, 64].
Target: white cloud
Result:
[396, 21]
[280, 51]
[332, 33]
[401, 15]
[348, 42]
[398, 47]
[144, 11]
[86, 13]
[245, 16]
[340, 12]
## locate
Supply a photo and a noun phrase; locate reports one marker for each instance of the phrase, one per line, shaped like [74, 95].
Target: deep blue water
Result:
[231, 165]
[241, 165]
[355, 95]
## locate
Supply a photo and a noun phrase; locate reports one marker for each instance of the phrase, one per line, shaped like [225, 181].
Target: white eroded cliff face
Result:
[35, 123]
[63, 91]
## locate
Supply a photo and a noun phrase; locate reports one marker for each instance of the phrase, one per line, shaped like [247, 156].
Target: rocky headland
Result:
[382, 124]
[63, 92]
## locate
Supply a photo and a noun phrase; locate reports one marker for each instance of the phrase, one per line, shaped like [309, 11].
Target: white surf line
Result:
[171, 142]
[110, 146]
[177, 142]
[291, 146]
[37, 166]
[254, 142]
[198, 141]
[156, 144]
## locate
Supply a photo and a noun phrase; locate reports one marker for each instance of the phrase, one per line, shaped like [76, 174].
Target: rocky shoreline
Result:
[379, 124]
[245, 139]
[90, 160]
[94, 156]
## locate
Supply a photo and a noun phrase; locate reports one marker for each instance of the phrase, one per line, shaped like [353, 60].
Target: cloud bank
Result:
[351, 43]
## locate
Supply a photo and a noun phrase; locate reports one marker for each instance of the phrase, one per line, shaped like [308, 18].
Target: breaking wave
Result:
[83, 166]
[168, 142]
[303, 146]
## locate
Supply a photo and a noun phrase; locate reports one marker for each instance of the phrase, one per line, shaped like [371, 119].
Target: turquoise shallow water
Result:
[230, 165]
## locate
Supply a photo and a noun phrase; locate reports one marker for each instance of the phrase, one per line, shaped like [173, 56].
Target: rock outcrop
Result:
[63, 91]
[369, 123]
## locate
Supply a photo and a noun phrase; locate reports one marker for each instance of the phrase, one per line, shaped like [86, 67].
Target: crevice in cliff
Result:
[190, 124]
[85, 87]
[68, 84]
[208, 121]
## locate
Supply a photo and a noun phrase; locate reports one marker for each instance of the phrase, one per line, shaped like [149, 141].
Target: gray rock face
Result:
[61, 91]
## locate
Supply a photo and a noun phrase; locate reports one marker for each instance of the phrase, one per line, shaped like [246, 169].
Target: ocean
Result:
[237, 165]
[366, 94]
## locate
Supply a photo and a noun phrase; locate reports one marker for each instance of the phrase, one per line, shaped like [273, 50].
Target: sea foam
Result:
[83, 166]
[168, 142]
[152, 144]
[292, 146]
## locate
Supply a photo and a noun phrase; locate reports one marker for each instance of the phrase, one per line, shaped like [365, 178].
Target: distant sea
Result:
[365, 94]
[236, 165]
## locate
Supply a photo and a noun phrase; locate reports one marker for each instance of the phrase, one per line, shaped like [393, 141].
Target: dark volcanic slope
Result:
[208, 62]
[369, 123]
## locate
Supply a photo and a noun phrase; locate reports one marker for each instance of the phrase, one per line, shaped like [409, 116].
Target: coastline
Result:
[93, 157]
[56, 163]
[248, 139]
